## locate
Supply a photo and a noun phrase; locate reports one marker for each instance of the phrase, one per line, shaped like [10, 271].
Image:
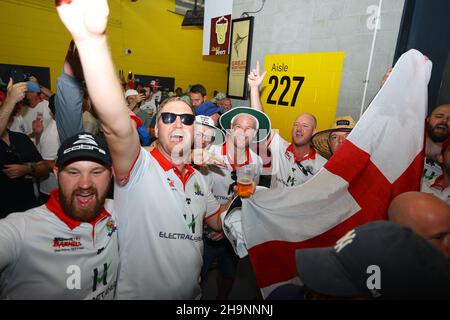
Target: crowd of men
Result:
[171, 167]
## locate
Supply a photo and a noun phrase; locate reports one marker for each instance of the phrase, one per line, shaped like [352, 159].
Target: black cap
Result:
[83, 146]
[407, 265]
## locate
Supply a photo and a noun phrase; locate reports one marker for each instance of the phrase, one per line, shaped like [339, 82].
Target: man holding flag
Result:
[354, 187]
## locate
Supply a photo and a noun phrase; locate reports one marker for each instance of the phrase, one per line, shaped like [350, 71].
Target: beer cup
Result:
[245, 179]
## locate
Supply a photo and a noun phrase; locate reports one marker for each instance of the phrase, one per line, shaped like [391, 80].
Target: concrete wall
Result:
[296, 26]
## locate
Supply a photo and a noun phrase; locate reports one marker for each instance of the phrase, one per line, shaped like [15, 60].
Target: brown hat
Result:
[320, 139]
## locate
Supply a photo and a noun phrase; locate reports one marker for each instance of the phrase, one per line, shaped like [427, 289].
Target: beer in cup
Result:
[245, 179]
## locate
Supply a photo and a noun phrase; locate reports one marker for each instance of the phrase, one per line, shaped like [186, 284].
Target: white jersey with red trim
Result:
[160, 239]
[431, 169]
[435, 187]
[288, 171]
[222, 179]
[44, 254]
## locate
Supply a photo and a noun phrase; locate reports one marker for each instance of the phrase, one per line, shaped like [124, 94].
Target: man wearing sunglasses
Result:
[160, 200]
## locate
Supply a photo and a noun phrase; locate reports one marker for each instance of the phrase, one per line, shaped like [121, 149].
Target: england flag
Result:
[381, 158]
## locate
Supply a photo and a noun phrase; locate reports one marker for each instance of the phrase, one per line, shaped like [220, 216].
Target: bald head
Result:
[308, 117]
[426, 215]
[303, 129]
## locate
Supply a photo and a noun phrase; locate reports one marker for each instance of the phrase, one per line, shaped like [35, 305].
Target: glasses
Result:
[169, 117]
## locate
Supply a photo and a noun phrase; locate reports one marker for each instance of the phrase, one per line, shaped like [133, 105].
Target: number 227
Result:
[287, 80]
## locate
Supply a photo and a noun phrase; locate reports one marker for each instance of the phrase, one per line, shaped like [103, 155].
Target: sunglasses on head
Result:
[169, 117]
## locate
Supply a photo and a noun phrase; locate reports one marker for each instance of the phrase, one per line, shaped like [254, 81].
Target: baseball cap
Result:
[219, 96]
[219, 136]
[207, 109]
[154, 83]
[33, 87]
[131, 92]
[409, 267]
[83, 146]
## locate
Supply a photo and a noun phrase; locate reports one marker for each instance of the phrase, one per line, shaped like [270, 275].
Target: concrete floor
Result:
[244, 287]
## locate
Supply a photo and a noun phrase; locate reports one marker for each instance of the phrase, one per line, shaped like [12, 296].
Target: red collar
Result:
[310, 155]
[166, 165]
[54, 206]
[438, 183]
[248, 158]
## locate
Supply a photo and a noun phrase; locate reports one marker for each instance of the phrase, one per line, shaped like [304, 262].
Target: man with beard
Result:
[66, 248]
[438, 130]
[162, 200]
[440, 185]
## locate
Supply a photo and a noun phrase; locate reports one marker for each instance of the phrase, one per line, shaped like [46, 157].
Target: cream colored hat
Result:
[319, 141]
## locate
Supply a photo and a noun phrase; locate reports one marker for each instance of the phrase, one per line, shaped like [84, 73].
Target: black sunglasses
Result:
[169, 117]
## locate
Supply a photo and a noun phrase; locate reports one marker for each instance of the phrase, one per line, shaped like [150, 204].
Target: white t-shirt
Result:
[150, 105]
[48, 148]
[222, 177]
[161, 219]
[44, 254]
[286, 171]
[434, 187]
[19, 125]
[30, 114]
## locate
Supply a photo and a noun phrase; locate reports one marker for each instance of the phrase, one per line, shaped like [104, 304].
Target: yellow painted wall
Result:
[32, 34]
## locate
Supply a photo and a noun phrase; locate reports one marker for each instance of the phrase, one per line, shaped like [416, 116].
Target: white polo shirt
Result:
[435, 187]
[44, 254]
[288, 171]
[160, 238]
[222, 177]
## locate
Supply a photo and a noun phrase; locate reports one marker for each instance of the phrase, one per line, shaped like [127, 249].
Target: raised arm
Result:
[16, 92]
[254, 81]
[86, 20]
[69, 96]
[44, 90]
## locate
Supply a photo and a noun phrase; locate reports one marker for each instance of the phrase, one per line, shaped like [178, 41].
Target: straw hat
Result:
[319, 141]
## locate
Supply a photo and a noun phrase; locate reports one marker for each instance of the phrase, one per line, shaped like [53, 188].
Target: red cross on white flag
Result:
[382, 157]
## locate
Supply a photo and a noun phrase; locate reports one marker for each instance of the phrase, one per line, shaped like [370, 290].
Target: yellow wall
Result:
[32, 34]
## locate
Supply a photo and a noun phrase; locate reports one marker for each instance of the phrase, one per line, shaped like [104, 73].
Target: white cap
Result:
[205, 120]
[131, 92]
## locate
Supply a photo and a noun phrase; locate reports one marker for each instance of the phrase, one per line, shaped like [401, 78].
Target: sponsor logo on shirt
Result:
[171, 184]
[198, 190]
[67, 244]
[288, 155]
[111, 227]
[179, 236]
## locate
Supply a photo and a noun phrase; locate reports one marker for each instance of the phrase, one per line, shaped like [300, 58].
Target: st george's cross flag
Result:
[381, 158]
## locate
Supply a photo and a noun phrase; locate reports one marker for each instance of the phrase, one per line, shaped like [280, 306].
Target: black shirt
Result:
[17, 194]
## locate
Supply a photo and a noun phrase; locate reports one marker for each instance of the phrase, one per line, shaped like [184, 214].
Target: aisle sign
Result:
[303, 82]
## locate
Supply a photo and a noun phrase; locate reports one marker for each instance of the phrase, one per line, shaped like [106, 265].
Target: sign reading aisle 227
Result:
[303, 82]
